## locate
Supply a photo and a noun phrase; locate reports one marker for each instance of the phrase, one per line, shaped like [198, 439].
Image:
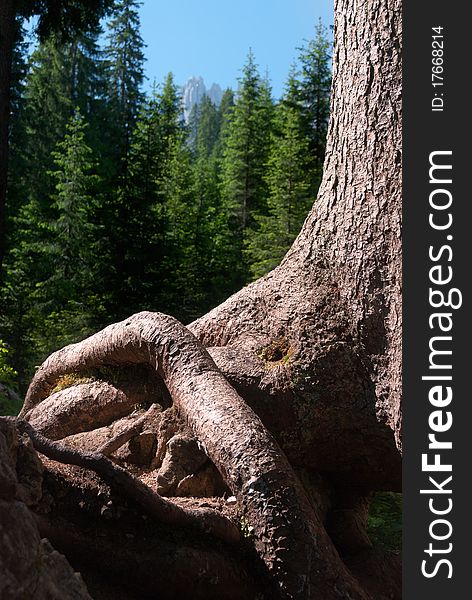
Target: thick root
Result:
[79, 408]
[207, 520]
[287, 532]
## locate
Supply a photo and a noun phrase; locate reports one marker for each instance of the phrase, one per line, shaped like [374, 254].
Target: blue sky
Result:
[211, 38]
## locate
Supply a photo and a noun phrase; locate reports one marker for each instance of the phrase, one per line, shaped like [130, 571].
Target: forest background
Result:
[116, 204]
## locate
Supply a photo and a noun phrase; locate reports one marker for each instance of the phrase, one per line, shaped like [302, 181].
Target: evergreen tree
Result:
[48, 106]
[124, 72]
[206, 127]
[212, 235]
[170, 109]
[18, 73]
[59, 73]
[244, 188]
[67, 18]
[160, 126]
[64, 299]
[146, 151]
[17, 134]
[224, 116]
[192, 124]
[74, 231]
[50, 274]
[295, 166]
[62, 76]
[181, 292]
[290, 184]
[188, 193]
[314, 95]
[182, 289]
[136, 241]
[142, 212]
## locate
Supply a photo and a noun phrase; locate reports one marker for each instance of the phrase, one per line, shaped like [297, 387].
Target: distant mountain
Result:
[194, 91]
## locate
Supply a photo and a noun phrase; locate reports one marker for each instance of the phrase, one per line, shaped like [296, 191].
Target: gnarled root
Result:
[82, 402]
[208, 521]
[288, 533]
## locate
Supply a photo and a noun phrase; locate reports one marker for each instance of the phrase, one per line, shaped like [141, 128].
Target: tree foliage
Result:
[63, 17]
[289, 180]
[244, 188]
[116, 204]
[124, 73]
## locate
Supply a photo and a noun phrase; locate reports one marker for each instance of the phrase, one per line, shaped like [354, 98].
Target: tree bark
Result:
[314, 348]
[339, 286]
[7, 37]
[288, 533]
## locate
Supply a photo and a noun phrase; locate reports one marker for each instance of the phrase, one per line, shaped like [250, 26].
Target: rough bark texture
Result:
[288, 533]
[302, 368]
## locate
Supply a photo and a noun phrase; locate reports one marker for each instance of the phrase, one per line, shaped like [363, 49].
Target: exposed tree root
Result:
[84, 401]
[125, 435]
[206, 520]
[80, 408]
[288, 534]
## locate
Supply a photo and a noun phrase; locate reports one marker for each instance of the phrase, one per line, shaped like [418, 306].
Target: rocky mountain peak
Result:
[194, 91]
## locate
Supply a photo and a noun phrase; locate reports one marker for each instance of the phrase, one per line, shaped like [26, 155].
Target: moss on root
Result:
[71, 379]
[278, 352]
[110, 374]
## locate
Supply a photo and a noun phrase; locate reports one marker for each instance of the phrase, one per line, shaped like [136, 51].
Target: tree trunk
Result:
[335, 298]
[7, 36]
[308, 358]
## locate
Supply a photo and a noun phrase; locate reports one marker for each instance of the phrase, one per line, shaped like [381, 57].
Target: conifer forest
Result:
[200, 313]
[115, 204]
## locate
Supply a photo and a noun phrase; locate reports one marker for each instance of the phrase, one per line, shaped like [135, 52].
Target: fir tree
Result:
[206, 128]
[146, 150]
[138, 207]
[224, 116]
[142, 212]
[65, 297]
[17, 182]
[244, 189]
[61, 77]
[296, 159]
[314, 94]
[212, 235]
[182, 290]
[124, 72]
[50, 275]
[73, 229]
[66, 19]
[290, 186]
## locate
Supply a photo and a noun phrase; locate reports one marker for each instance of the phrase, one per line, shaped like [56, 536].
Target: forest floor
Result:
[104, 537]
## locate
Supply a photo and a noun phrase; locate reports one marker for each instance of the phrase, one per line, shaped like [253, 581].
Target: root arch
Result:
[287, 530]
